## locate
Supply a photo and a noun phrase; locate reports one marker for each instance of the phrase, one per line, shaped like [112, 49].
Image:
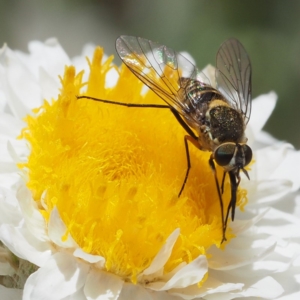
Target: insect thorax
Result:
[226, 124]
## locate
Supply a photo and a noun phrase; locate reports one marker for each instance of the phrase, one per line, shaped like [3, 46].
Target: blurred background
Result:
[268, 29]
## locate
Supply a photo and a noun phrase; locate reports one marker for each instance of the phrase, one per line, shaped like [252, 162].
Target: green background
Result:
[269, 30]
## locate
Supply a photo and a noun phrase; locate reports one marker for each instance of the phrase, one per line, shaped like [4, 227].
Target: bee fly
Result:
[214, 118]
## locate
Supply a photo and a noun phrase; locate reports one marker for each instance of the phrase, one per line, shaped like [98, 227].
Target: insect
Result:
[214, 119]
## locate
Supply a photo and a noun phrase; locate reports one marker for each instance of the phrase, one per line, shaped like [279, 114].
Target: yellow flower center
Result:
[114, 173]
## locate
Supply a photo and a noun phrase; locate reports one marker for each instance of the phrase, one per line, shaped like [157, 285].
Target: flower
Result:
[99, 216]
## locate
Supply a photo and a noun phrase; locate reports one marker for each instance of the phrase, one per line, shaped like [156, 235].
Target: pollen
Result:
[114, 173]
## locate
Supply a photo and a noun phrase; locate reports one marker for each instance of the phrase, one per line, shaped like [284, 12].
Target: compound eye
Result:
[248, 154]
[224, 154]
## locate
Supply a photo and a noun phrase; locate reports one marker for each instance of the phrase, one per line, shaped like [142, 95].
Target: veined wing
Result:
[160, 68]
[233, 76]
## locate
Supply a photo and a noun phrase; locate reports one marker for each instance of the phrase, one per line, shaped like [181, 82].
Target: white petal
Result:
[240, 226]
[290, 296]
[267, 191]
[163, 255]
[49, 85]
[57, 229]
[10, 128]
[34, 220]
[287, 168]
[8, 179]
[188, 56]
[10, 149]
[266, 288]
[48, 55]
[93, 259]
[290, 282]
[10, 212]
[111, 78]
[272, 266]
[3, 101]
[188, 275]
[102, 286]
[78, 295]
[262, 108]
[13, 153]
[23, 244]
[18, 239]
[21, 85]
[240, 252]
[60, 277]
[23, 74]
[9, 96]
[210, 71]
[132, 291]
[297, 206]
[210, 286]
[269, 159]
[280, 224]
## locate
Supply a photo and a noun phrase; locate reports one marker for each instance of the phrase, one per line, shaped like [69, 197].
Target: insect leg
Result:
[212, 165]
[234, 186]
[223, 180]
[184, 125]
[124, 104]
[194, 142]
[190, 137]
[175, 113]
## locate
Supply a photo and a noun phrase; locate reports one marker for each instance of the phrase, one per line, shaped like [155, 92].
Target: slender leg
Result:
[125, 104]
[234, 186]
[212, 165]
[190, 137]
[188, 164]
[227, 214]
[194, 142]
[185, 126]
[223, 180]
[173, 110]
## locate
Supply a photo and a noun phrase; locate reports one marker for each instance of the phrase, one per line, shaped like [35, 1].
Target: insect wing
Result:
[159, 67]
[233, 76]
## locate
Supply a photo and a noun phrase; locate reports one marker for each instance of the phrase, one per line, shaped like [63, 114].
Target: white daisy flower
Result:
[88, 193]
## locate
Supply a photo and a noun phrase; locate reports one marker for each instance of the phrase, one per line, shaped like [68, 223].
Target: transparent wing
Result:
[160, 68]
[233, 76]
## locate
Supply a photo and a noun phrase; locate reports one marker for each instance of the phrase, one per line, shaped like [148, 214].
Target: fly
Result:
[214, 119]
